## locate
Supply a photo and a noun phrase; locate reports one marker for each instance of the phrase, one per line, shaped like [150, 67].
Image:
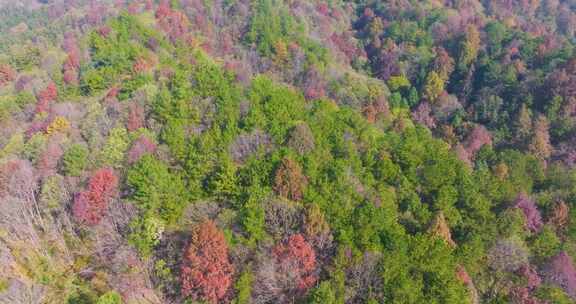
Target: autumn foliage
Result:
[7, 74]
[463, 276]
[297, 256]
[91, 205]
[135, 117]
[560, 271]
[45, 97]
[49, 158]
[174, 23]
[478, 137]
[289, 181]
[72, 64]
[530, 211]
[560, 215]
[206, 272]
[439, 228]
[141, 65]
[141, 146]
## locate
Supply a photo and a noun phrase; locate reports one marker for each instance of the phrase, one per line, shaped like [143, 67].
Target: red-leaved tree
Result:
[142, 145]
[45, 97]
[7, 74]
[287, 274]
[530, 275]
[104, 31]
[296, 255]
[91, 205]
[135, 117]
[206, 272]
[463, 276]
[174, 23]
[149, 5]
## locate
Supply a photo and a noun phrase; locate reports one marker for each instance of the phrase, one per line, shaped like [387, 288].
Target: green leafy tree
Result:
[75, 160]
[114, 150]
[110, 297]
[243, 287]
[223, 183]
[157, 189]
[270, 23]
[146, 232]
[546, 244]
[323, 294]
[422, 271]
[434, 86]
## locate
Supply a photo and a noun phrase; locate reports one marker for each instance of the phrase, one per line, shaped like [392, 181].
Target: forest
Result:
[287, 151]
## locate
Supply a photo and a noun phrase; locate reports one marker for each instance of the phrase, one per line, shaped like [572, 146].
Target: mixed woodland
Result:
[296, 151]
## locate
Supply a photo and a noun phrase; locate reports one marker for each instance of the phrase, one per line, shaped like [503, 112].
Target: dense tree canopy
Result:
[298, 151]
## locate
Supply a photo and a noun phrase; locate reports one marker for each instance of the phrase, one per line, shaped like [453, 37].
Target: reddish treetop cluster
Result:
[474, 141]
[90, 205]
[528, 272]
[560, 215]
[422, 115]
[297, 256]
[561, 271]
[7, 74]
[172, 22]
[141, 146]
[477, 138]
[49, 159]
[45, 97]
[530, 211]
[206, 272]
[72, 63]
[135, 115]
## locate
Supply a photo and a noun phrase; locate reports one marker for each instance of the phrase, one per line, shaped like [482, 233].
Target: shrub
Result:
[244, 287]
[546, 243]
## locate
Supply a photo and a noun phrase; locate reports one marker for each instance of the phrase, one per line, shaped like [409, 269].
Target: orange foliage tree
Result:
[289, 181]
[206, 273]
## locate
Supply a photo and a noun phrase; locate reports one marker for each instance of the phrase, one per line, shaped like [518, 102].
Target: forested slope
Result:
[297, 151]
